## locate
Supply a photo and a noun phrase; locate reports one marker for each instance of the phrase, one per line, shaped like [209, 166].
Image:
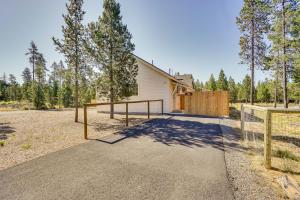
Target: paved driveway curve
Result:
[176, 158]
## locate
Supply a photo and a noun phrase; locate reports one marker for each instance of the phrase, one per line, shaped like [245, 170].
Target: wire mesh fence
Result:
[253, 121]
[286, 141]
[273, 135]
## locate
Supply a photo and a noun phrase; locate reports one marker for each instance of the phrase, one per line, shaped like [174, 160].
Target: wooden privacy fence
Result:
[210, 103]
[126, 112]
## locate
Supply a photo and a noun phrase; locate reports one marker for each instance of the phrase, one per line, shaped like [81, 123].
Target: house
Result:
[186, 78]
[154, 83]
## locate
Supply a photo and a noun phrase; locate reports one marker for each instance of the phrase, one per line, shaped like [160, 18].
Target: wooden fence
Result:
[210, 103]
[268, 126]
[85, 114]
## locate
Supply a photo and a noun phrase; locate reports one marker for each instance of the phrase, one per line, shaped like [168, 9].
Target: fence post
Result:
[242, 119]
[126, 114]
[85, 122]
[162, 107]
[148, 109]
[268, 139]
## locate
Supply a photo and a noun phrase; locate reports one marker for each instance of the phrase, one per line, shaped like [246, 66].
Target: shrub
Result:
[26, 146]
[285, 154]
[2, 143]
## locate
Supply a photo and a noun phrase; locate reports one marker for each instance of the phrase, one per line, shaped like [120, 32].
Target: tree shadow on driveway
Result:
[174, 131]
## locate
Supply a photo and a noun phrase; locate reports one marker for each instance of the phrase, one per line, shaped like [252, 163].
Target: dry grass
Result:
[285, 143]
[25, 135]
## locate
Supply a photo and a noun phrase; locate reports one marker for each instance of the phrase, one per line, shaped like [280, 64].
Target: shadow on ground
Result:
[255, 135]
[5, 130]
[119, 123]
[173, 131]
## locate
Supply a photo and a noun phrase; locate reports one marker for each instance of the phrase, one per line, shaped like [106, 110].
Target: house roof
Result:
[164, 73]
[186, 78]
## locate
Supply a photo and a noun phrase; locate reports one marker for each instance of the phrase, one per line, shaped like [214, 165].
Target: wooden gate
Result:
[182, 104]
[210, 103]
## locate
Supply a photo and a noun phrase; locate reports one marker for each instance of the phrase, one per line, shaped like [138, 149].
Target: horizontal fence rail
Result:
[116, 103]
[266, 124]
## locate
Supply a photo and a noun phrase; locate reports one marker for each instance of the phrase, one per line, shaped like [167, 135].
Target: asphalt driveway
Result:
[176, 158]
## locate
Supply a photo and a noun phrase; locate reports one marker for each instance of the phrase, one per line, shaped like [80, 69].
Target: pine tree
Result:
[109, 44]
[71, 45]
[232, 90]
[61, 73]
[263, 93]
[27, 80]
[13, 87]
[246, 88]
[240, 92]
[3, 89]
[33, 56]
[54, 72]
[253, 23]
[222, 83]
[273, 65]
[38, 86]
[198, 85]
[211, 83]
[295, 33]
[283, 11]
[65, 95]
[54, 84]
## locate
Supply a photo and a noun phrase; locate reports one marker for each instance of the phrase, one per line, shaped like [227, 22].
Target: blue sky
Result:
[190, 36]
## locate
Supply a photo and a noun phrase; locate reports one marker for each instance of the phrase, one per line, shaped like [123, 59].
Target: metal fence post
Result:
[85, 122]
[268, 139]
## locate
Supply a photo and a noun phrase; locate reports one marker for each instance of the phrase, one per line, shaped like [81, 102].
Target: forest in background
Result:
[99, 59]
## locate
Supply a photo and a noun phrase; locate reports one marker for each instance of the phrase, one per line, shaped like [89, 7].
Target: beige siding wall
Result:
[151, 85]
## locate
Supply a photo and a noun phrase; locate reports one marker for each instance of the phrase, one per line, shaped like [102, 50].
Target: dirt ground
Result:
[25, 135]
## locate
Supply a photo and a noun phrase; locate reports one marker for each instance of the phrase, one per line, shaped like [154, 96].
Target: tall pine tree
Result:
[253, 23]
[283, 11]
[246, 88]
[38, 86]
[71, 45]
[27, 80]
[211, 83]
[13, 87]
[232, 90]
[33, 57]
[222, 83]
[109, 44]
[295, 32]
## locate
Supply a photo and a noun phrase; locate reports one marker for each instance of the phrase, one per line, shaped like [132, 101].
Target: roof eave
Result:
[163, 73]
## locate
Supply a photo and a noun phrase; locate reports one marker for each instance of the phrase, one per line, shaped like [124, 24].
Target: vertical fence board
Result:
[208, 103]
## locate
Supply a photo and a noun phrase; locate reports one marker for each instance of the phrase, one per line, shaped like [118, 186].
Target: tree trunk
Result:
[76, 92]
[33, 66]
[284, 81]
[111, 99]
[275, 94]
[76, 73]
[252, 62]
[111, 86]
[76, 82]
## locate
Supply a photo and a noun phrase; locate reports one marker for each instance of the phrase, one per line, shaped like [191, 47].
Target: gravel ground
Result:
[246, 182]
[30, 134]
